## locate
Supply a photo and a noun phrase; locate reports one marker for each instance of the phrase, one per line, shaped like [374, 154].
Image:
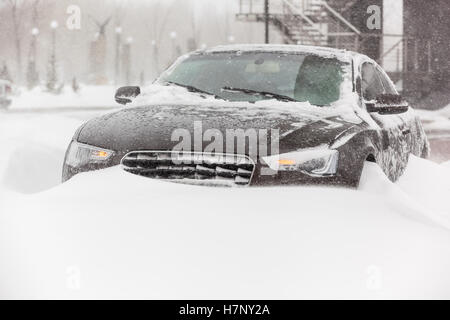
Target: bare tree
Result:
[17, 11]
[32, 74]
[157, 27]
[196, 30]
[119, 17]
[223, 25]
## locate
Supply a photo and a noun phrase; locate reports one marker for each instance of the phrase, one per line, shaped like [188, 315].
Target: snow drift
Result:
[88, 96]
[110, 234]
[436, 121]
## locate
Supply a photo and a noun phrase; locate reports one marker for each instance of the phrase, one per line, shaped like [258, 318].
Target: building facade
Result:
[427, 32]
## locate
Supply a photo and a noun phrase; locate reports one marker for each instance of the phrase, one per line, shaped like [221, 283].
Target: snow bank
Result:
[438, 120]
[88, 96]
[110, 234]
[422, 190]
[446, 111]
[429, 184]
[31, 169]
[33, 148]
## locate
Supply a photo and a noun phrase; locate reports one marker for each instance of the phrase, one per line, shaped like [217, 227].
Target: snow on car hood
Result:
[150, 121]
[173, 95]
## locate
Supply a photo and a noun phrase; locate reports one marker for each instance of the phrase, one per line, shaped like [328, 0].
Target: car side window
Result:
[387, 84]
[371, 83]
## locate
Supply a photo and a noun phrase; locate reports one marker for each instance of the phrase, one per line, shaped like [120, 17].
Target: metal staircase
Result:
[326, 23]
[306, 22]
[301, 26]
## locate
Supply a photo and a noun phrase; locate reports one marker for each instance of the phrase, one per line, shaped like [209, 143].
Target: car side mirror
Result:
[388, 104]
[125, 95]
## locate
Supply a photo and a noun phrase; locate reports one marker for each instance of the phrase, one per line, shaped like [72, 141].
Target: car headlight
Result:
[319, 161]
[82, 154]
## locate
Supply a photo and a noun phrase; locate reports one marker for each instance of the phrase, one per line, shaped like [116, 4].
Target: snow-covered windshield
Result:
[251, 76]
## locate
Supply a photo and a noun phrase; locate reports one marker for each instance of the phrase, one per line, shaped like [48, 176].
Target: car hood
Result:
[152, 127]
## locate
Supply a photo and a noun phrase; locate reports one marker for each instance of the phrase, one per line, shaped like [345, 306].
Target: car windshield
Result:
[260, 76]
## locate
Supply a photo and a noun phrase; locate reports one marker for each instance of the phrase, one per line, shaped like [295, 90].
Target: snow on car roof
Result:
[322, 51]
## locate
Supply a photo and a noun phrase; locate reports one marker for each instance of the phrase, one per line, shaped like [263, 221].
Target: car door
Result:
[409, 129]
[394, 146]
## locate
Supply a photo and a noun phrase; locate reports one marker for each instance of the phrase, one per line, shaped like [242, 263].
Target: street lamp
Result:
[266, 20]
[118, 31]
[34, 33]
[32, 75]
[155, 56]
[52, 78]
[173, 36]
[54, 24]
[126, 60]
[231, 39]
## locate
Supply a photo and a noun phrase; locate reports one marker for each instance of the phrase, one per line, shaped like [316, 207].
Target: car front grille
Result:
[191, 167]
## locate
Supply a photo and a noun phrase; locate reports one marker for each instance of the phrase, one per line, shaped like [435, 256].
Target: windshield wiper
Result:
[260, 93]
[194, 89]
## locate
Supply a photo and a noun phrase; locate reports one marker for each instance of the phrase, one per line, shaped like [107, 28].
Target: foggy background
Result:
[131, 41]
[157, 31]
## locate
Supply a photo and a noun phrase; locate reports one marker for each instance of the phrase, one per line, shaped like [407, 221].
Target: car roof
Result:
[284, 48]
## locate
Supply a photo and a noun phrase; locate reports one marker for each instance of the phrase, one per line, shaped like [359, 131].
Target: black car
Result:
[297, 115]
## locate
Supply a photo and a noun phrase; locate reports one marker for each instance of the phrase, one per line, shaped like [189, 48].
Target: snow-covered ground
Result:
[109, 234]
[33, 147]
[435, 122]
[87, 96]
[437, 126]
[113, 235]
